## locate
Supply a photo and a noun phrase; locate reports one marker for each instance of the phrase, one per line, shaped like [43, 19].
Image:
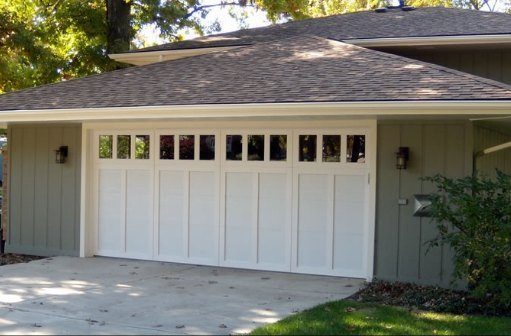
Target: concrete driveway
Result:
[65, 295]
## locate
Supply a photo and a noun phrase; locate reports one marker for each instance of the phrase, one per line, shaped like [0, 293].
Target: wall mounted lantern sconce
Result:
[61, 154]
[402, 156]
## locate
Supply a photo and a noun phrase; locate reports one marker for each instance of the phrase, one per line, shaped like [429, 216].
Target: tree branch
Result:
[222, 4]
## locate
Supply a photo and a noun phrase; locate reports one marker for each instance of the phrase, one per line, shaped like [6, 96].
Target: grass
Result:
[353, 318]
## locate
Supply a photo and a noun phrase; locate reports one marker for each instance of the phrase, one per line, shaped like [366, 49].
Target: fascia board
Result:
[340, 109]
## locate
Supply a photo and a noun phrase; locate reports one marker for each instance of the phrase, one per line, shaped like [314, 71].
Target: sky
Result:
[254, 18]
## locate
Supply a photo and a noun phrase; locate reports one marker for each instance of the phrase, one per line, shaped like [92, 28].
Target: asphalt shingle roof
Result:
[298, 69]
[421, 22]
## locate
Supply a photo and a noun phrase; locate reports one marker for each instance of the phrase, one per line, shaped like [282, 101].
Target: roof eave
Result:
[149, 57]
[280, 110]
[459, 40]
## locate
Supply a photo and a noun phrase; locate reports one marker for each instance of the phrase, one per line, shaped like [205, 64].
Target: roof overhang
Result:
[459, 40]
[149, 57]
[401, 109]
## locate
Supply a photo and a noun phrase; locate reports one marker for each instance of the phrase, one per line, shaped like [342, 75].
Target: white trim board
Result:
[267, 110]
[432, 40]
[149, 57]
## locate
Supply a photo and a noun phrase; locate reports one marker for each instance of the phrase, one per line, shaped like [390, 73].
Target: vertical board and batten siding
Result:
[489, 63]
[44, 198]
[485, 137]
[401, 238]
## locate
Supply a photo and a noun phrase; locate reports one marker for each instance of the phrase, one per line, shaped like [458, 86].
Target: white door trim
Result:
[88, 213]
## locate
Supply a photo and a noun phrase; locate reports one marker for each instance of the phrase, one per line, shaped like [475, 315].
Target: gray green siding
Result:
[400, 250]
[44, 197]
[485, 137]
[489, 63]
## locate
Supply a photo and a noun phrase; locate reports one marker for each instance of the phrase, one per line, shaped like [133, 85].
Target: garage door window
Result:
[355, 151]
[331, 148]
[186, 147]
[123, 146]
[105, 146]
[142, 147]
[207, 147]
[278, 147]
[166, 147]
[234, 147]
[255, 148]
[307, 148]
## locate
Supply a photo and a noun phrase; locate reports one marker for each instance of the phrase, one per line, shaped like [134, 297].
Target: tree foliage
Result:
[474, 216]
[45, 41]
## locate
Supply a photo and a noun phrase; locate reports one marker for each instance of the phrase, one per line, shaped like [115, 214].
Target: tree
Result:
[490, 5]
[45, 41]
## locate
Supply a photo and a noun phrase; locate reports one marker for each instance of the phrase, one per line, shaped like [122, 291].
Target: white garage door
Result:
[291, 200]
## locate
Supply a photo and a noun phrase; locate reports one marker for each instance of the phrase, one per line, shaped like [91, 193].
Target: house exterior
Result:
[270, 148]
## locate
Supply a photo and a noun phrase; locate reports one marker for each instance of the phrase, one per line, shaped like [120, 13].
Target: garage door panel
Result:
[139, 212]
[348, 252]
[349, 220]
[273, 216]
[312, 220]
[171, 203]
[110, 209]
[238, 217]
[203, 228]
[349, 203]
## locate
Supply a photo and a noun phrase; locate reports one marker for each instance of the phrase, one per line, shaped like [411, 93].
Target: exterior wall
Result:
[401, 239]
[485, 137]
[44, 197]
[489, 63]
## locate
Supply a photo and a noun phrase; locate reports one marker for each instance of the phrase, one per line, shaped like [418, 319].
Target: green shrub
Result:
[473, 215]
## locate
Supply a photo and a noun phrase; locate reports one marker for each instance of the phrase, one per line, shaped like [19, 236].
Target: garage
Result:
[291, 199]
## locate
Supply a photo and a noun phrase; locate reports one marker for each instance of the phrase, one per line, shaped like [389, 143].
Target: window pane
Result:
[356, 148]
[123, 146]
[307, 147]
[278, 147]
[105, 146]
[234, 147]
[142, 147]
[256, 147]
[207, 147]
[186, 147]
[331, 148]
[166, 147]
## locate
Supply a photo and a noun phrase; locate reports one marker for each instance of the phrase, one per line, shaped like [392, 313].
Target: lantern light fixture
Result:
[402, 157]
[61, 154]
